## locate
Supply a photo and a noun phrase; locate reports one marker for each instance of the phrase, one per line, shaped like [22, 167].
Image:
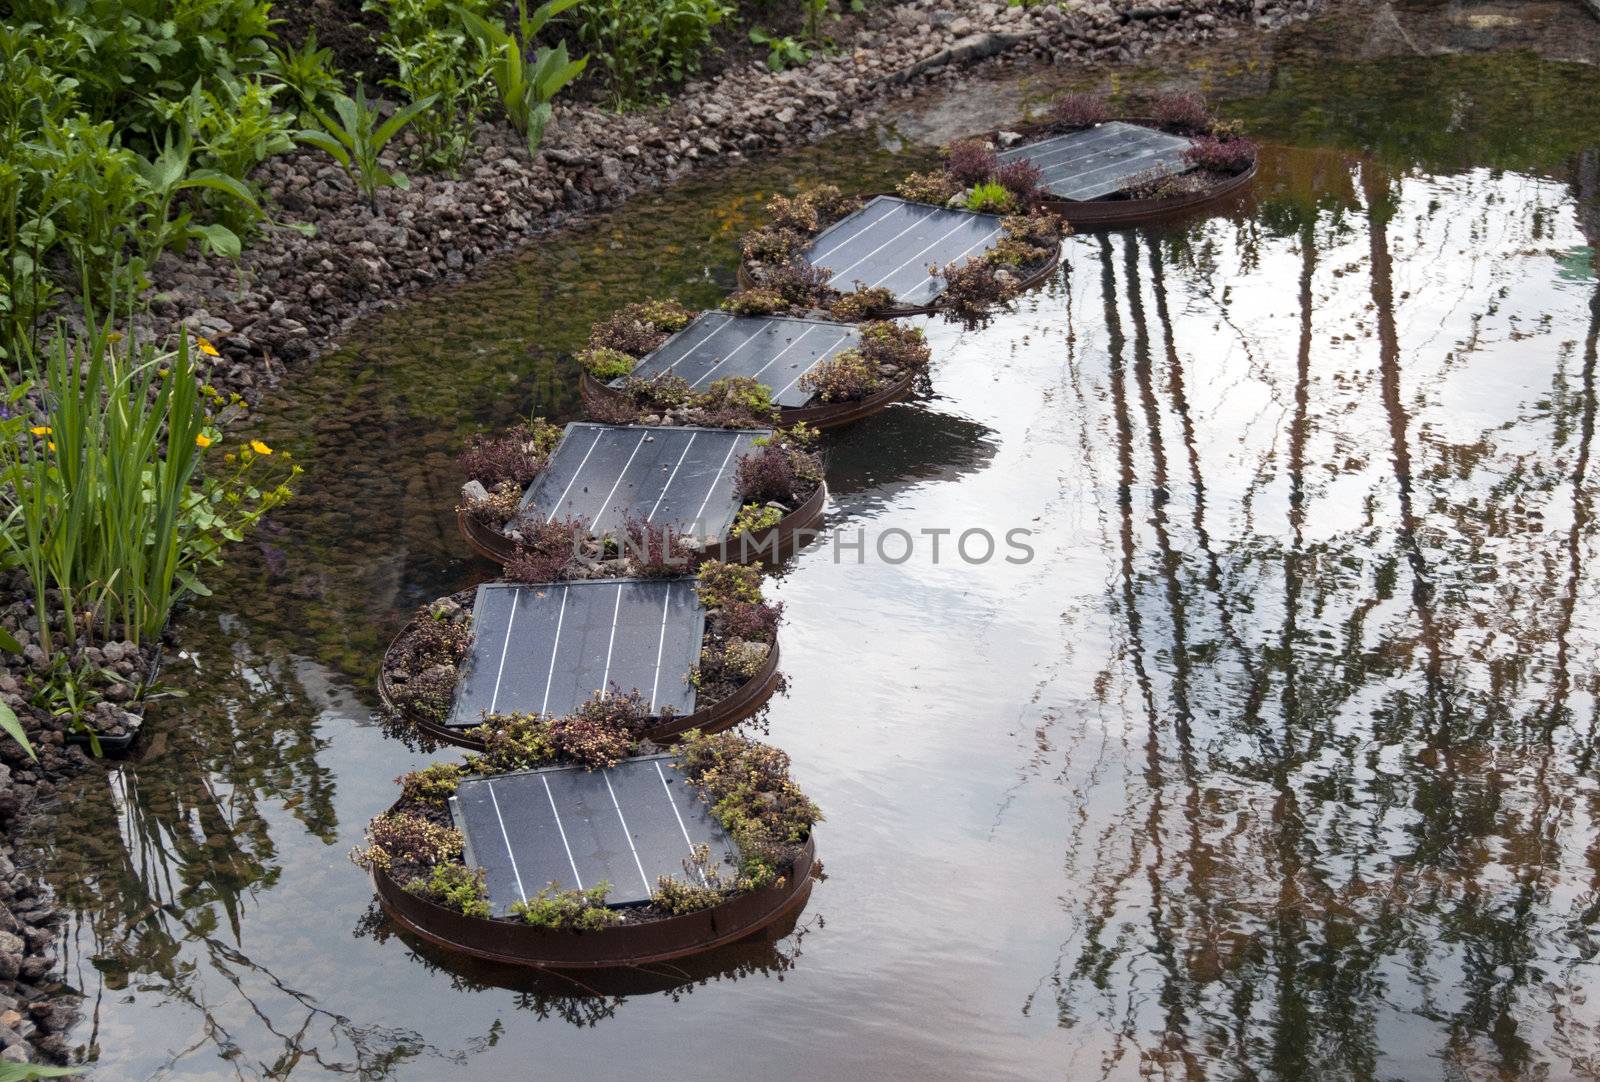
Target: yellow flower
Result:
[114, 337]
[40, 430]
[260, 448]
[207, 348]
[202, 440]
[50, 444]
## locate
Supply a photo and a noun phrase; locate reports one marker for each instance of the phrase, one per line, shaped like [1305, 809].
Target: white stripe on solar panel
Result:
[801, 337]
[665, 788]
[735, 351]
[840, 273]
[506, 837]
[627, 833]
[927, 278]
[845, 337]
[671, 477]
[611, 644]
[1062, 145]
[555, 648]
[605, 504]
[598, 432]
[564, 844]
[715, 481]
[852, 226]
[500, 670]
[661, 646]
[963, 224]
[1115, 177]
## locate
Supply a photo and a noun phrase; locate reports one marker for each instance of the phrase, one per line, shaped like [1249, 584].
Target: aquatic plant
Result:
[434, 784]
[754, 302]
[1079, 110]
[568, 910]
[937, 187]
[455, 886]
[1022, 179]
[722, 584]
[516, 455]
[605, 364]
[970, 161]
[1187, 112]
[847, 376]
[1222, 155]
[990, 197]
[862, 302]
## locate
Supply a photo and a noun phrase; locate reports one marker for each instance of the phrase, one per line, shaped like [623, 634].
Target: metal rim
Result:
[625, 945]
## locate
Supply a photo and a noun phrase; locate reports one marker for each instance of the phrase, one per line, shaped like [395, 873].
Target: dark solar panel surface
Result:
[891, 243]
[1099, 161]
[548, 649]
[626, 825]
[776, 350]
[679, 477]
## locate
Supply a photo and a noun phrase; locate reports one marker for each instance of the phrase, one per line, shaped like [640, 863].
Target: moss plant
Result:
[862, 303]
[605, 364]
[434, 784]
[990, 197]
[756, 518]
[722, 584]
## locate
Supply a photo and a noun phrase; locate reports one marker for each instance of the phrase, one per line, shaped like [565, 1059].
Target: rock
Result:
[474, 492]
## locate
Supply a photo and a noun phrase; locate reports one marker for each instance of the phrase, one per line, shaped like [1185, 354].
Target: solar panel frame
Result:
[572, 641]
[603, 473]
[628, 824]
[716, 345]
[916, 236]
[1100, 161]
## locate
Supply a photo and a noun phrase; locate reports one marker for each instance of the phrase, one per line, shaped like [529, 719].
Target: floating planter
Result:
[666, 655]
[581, 849]
[599, 499]
[1099, 172]
[897, 255]
[817, 372]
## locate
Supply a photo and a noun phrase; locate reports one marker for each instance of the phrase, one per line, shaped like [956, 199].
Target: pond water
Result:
[1275, 759]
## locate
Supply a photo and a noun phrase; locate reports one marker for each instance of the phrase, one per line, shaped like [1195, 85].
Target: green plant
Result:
[752, 796]
[754, 302]
[105, 501]
[33, 1072]
[439, 67]
[605, 364]
[457, 887]
[782, 52]
[309, 71]
[433, 784]
[721, 584]
[936, 187]
[990, 197]
[358, 136]
[753, 518]
[845, 377]
[568, 910]
[700, 888]
[403, 838]
[643, 44]
[166, 177]
[526, 78]
[862, 302]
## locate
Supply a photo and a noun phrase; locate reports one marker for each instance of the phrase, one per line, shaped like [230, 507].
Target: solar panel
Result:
[668, 476]
[627, 825]
[548, 649]
[891, 243]
[1098, 161]
[776, 350]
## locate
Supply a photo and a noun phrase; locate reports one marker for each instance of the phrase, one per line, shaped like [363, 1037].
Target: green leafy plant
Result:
[455, 886]
[309, 71]
[990, 197]
[358, 136]
[605, 364]
[753, 518]
[643, 44]
[439, 66]
[782, 52]
[568, 910]
[527, 79]
[106, 501]
[33, 1072]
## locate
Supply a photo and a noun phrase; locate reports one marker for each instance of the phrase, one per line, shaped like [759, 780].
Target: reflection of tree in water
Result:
[159, 861]
[587, 998]
[1356, 824]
